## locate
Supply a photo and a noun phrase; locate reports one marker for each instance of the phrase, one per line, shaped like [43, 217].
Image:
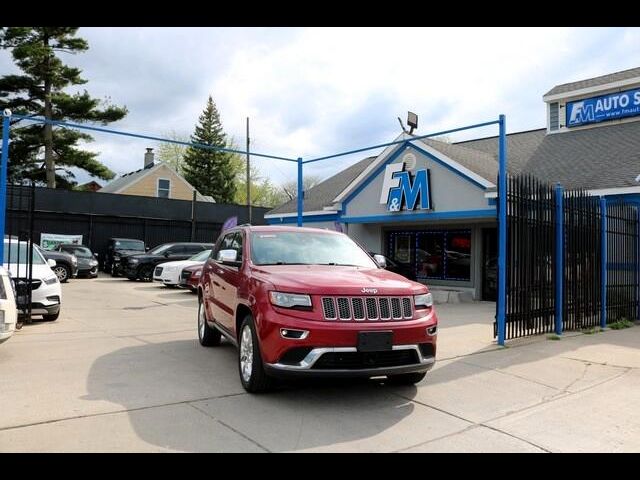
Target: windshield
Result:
[202, 256]
[129, 245]
[160, 249]
[80, 252]
[307, 248]
[17, 252]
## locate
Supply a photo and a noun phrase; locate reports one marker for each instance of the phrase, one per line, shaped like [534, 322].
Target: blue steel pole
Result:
[559, 300]
[603, 262]
[502, 232]
[300, 192]
[6, 127]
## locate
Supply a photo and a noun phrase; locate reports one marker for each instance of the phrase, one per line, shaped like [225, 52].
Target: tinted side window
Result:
[237, 245]
[192, 249]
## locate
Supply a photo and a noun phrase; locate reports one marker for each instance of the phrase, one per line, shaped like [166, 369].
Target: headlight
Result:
[423, 301]
[290, 300]
[133, 260]
[51, 280]
[74, 259]
[93, 263]
[197, 273]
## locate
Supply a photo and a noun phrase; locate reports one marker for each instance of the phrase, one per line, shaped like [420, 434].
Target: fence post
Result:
[502, 233]
[193, 216]
[6, 127]
[559, 300]
[603, 262]
[300, 192]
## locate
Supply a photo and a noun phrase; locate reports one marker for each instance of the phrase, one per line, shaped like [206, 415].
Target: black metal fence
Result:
[100, 216]
[530, 253]
[582, 261]
[532, 222]
[623, 284]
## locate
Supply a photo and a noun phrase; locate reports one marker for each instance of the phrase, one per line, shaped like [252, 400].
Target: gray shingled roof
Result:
[594, 82]
[600, 157]
[322, 195]
[123, 181]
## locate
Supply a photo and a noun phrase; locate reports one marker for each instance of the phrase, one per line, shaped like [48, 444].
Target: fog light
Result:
[294, 334]
[432, 331]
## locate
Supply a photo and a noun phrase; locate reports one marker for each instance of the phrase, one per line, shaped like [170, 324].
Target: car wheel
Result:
[209, 337]
[51, 318]
[250, 366]
[406, 378]
[145, 273]
[62, 272]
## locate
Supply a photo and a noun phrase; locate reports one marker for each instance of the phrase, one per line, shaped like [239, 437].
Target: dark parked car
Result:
[405, 270]
[118, 248]
[87, 261]
[66, 264]
[140, 266]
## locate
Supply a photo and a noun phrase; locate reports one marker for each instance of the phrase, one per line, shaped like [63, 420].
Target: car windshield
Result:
[17, 252]
[129, 245]
[80, 252]
[160, 249]
[201, 257]
[307, 248]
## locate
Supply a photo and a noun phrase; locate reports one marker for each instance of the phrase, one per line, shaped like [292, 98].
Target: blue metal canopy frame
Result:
[502, 180]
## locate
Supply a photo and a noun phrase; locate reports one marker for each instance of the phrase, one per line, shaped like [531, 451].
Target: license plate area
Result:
[375, 341]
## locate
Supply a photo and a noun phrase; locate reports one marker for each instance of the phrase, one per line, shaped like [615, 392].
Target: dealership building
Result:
[430, 205]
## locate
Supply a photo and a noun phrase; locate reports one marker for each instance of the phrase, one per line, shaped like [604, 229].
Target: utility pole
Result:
[248, 174]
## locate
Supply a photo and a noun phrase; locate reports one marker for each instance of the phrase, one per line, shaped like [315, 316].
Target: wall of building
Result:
[148, 186]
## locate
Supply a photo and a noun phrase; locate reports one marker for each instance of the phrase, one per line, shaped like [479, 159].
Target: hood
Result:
[127, 252]
[57, 255]
[336, 280]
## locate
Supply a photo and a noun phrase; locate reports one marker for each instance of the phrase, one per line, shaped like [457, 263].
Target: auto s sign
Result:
[603, 108]
[400, 189]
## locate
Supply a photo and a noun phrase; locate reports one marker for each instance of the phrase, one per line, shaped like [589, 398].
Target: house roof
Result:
[128, 179]
[607, 156]
[595, 82]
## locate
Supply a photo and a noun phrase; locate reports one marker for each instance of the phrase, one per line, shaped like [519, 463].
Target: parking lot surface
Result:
[122, 370]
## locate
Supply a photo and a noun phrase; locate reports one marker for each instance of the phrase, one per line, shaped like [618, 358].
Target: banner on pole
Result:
[49, 241]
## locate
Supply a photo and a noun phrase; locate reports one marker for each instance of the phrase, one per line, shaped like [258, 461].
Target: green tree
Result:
[173, 153]
[45, 153]
[211, 172]
[263, 192]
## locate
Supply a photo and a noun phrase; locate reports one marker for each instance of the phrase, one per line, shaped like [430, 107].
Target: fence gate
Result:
[18, 246]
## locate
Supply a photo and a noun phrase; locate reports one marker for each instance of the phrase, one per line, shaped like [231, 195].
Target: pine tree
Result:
[211, 172]
[45, 153]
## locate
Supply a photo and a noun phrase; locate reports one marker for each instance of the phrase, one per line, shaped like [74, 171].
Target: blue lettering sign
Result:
[409, 191]
[603, 108]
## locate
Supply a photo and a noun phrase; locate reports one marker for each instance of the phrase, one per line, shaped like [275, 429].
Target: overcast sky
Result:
[317, 91]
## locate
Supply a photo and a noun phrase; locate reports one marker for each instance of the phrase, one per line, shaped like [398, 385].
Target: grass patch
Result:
[591, 331]
[554, 337]
[620, 324]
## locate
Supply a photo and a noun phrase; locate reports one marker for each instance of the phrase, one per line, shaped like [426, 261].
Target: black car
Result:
[66, 264]
[118, 248]
[140, 266]
[87, 262]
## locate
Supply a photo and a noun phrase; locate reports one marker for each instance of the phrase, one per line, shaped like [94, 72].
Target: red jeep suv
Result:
[310, 302]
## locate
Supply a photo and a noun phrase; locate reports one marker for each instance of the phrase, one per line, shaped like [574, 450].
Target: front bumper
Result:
[89, 272]
[46, 299]
[305, 367]
[167, 276]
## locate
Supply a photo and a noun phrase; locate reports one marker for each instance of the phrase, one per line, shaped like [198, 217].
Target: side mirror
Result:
[96, 255]
[228, 256]
[166, 254]
[380, 260]
[51, 262]
[146, 249]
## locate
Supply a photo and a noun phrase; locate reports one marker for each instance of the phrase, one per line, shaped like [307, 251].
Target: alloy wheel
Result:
[246, 353]
[61, 273]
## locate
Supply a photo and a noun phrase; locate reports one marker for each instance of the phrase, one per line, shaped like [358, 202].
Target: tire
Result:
[62, 272]
[208, 337]
[145, 273]
[51, 318]
[250, 366]
[406, 378]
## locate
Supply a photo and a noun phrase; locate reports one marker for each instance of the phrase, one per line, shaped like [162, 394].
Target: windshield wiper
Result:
[282, 263]
[334, 264]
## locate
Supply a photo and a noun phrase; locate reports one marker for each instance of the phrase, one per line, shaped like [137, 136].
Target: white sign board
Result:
[49, 241]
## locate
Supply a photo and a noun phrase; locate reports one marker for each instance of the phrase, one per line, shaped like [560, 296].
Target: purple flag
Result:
[229, 223]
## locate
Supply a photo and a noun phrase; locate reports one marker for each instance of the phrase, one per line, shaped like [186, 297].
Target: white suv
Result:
[8, 312]
[46, 293]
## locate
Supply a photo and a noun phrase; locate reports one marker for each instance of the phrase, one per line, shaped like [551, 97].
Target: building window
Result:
[554, 116]
[164, 188]
[433, 254]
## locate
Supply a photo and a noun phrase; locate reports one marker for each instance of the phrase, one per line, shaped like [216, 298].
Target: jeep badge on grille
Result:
[371, 291]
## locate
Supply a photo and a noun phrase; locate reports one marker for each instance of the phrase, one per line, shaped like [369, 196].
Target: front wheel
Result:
[406, 378]
[62, 272]
[146, 273]
[208, 337]
[252, 374]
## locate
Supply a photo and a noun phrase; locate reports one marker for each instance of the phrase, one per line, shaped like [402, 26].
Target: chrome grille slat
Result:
[357, 304]
[344, 312]
[367, 308]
